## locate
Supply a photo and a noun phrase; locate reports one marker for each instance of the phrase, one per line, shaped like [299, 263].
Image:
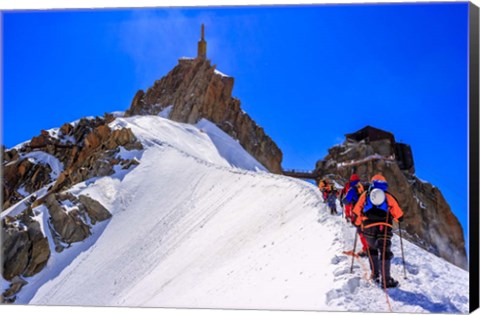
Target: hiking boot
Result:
[376, 279]
[391, 283]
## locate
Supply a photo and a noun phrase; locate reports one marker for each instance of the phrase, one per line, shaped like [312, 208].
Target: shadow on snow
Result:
[422, 301]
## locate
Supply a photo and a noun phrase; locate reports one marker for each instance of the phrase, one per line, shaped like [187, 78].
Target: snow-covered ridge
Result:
[204, 141]
[199, 223]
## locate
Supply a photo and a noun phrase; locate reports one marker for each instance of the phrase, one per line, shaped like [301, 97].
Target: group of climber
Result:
[329, 193]
[372, 210]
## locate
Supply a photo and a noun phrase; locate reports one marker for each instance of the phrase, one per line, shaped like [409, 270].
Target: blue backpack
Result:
[369, 205]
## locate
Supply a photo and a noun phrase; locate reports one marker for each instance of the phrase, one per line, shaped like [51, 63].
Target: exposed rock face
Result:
[25, 249]
[95, 210]
[85, 150]
[22, 173]
[79, 151]
[196, 90]
[15, 285]
[71, 226]
[429, 220]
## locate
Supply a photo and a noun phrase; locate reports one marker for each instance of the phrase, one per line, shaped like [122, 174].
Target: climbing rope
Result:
[383, 265]
[386, 225]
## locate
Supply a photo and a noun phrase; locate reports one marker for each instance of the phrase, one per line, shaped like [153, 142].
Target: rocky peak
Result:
[429, 221]
[193, 90]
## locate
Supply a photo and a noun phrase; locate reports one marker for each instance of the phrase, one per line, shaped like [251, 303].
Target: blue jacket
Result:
[352, 194]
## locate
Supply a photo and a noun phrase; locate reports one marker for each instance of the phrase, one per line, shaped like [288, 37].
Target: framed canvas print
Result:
[294, 157]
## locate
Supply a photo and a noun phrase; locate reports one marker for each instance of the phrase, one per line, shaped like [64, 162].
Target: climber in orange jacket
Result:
[353, 192]
[374, 214]
[324, 188]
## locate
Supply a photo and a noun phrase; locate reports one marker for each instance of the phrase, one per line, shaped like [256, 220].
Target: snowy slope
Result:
[199, 223]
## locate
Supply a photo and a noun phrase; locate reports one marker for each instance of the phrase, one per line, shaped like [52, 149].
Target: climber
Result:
[332, 198]
[342, 195]
[355, 189]
[374, 214]
[322, 185]
[353, 192]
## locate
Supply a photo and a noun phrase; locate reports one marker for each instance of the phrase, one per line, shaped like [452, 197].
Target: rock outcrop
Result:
[25, 251]
[429, 221]
[37, 174]
[84, 150]
[24, 174]
[195, 89]
[25, 248]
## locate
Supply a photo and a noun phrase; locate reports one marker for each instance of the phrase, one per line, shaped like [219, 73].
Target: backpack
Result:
[353, 199]
[369, 204]
[376, 213]
[344, 191]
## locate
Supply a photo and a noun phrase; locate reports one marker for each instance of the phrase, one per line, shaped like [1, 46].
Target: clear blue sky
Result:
[308, 75]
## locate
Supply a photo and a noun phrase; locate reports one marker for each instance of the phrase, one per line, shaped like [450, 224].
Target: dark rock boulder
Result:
[39, 250]
[25, 248]
[15, 247]
[70, 226]
[16, 284]
[95, 210]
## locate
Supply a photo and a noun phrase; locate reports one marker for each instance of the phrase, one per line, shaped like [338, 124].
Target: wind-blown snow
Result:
[220, 73]
[231, 150]
[40, 157]
[196, 224]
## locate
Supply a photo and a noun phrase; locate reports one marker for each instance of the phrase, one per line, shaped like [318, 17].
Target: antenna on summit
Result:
[202, 45]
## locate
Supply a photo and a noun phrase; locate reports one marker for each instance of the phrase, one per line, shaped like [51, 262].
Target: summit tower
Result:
[202, 45]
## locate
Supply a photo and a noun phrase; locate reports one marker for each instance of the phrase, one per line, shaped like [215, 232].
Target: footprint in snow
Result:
[333, 295]
[352, 284]
[338, 259]
[343, 271]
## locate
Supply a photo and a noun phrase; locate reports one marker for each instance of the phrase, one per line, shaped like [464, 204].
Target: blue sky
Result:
[307, 74]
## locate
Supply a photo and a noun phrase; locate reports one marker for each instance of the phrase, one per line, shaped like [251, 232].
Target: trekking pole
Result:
[401, 247]
[353, 253]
